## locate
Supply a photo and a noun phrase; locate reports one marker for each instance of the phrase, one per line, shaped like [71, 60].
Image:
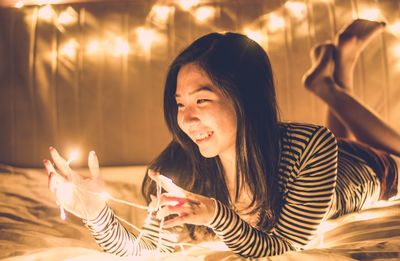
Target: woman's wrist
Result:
[214, 211]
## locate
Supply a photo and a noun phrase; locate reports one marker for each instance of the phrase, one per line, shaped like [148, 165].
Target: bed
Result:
[31, 227]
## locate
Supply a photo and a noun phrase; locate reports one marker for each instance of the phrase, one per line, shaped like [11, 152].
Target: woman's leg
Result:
[366, 126]
[318, 56]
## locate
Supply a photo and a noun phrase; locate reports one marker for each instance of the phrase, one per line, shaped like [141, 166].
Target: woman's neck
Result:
[228, 162]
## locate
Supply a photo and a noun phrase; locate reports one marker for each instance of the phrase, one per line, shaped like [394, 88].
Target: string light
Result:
[67, 17]
[121, 47]
[372, 14]
[297, 9]
[160, 13]
[93, 47]
[204, 13]
[70, 49]
[187, 4]
[394, 28]
[396, 50]
[275, 23]
[146, 37]
[19, 4]
[46, 13]
[255, 35]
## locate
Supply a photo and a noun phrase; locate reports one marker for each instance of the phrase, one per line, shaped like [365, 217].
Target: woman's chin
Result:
[208, 153]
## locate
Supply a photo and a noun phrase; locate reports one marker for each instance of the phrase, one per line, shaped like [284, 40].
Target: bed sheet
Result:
[31, 229]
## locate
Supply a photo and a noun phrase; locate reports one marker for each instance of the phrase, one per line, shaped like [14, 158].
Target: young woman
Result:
[260, 185]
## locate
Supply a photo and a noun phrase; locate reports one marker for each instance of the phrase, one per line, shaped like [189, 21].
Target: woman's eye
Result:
[180, 105]
[200, 101]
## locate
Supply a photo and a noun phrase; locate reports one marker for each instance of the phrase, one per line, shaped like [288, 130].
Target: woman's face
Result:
[204, 114]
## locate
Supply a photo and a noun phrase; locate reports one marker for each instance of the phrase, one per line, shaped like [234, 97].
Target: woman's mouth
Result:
[203, 137]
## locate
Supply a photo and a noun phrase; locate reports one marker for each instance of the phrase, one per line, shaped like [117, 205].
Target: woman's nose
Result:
[190, 118]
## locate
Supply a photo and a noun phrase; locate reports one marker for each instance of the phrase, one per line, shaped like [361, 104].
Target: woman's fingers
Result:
[60, 163]
[167, 184]
[93, 163]
[174, 210]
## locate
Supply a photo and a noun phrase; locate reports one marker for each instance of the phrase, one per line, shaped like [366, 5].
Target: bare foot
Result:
[351, 41]
[321, 70]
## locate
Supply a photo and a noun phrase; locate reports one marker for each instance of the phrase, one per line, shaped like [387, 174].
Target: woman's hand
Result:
[190, 208]
[78, 195]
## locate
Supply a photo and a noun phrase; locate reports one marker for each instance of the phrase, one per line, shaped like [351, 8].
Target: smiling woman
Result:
[260, 185]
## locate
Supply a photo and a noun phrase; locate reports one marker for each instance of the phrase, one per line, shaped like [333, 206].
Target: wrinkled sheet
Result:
[31, 228]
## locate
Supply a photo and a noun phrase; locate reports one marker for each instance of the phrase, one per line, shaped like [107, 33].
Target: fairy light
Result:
[187, 4]
[146, 37]
[396, 50]
[69, 49]
[204, 13]
[372, 14]
[19, 4]
[121, 47]
[46, 13]
[255, 35]
[297, 9]
[275, 22]
[93, 47]
[394, 28]
[67, 17]
[161, 13]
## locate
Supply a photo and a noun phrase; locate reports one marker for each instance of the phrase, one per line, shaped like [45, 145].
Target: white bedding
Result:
[31, 229]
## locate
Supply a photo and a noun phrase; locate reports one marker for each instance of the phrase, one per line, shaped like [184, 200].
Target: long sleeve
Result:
[306, 202]
[116, 239]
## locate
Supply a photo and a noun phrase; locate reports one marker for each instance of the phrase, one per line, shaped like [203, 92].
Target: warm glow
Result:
[93, 47]
[394, 28]
[146, 37]
[297, 9]
[396, 50]
[121, 47]
[276, 22]
[73, 155]
[204, 13]
[255, 35]
[161, 13]
[370, 14]
[187, 4]
[69, 49]
[46, 13]
[68, 16]
[19, 4]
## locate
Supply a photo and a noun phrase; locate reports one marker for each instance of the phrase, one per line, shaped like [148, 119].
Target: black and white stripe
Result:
[312, 192]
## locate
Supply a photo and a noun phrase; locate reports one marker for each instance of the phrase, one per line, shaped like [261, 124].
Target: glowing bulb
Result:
[276, 22]
[121, 47]
[372, 14]
[395, 28]
[19, 4]
[69, 49]
[161, 13]
[93, 47]
[146, 37]
[187, 4]
[105, 196]
[67, 17]
[74, 155]
[396, 50]
[297, 9]
[204, 13]
[255, 35]
[63, 216]
[46, 13]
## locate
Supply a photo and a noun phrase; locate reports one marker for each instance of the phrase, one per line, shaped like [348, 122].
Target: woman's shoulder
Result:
[298, 130]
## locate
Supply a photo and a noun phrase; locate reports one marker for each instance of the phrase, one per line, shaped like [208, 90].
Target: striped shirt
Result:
[317, 179]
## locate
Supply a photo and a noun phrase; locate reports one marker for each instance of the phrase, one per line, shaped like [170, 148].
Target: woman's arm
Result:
[116, 239]
[306, 204]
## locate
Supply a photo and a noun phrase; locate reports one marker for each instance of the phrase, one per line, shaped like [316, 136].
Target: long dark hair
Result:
[241, 69]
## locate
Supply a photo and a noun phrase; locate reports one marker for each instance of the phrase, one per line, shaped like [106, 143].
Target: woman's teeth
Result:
[202, 136]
